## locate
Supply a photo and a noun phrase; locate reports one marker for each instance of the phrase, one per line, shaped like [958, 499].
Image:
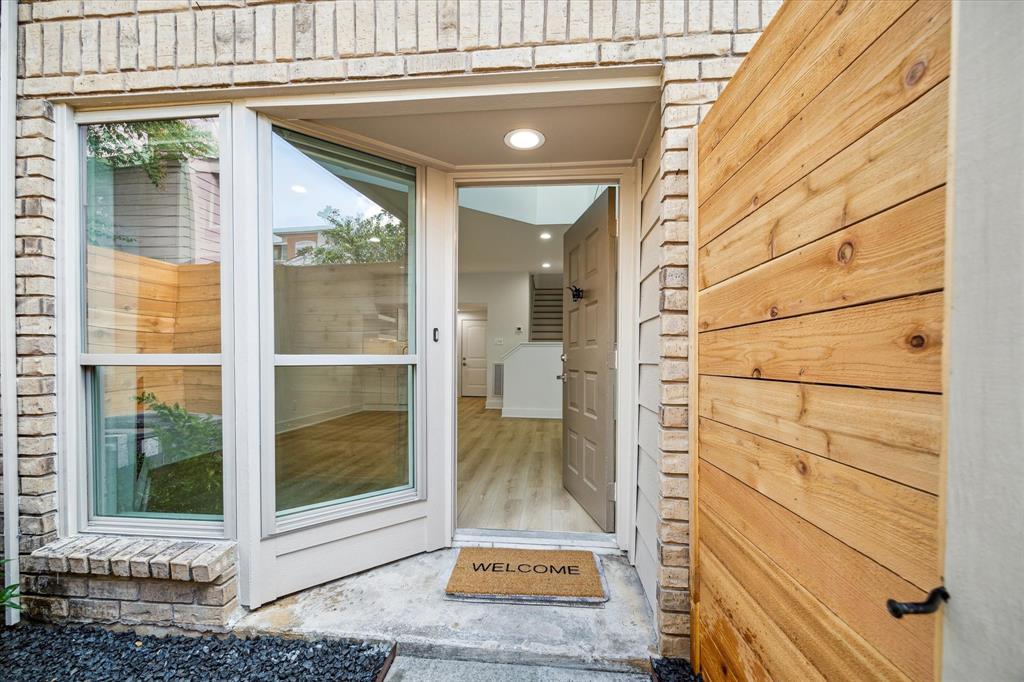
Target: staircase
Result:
[546, 315]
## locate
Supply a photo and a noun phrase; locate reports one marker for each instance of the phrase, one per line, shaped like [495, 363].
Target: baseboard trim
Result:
[530, 413]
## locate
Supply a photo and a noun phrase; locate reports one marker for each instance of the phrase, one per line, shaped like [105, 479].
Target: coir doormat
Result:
[569, 577]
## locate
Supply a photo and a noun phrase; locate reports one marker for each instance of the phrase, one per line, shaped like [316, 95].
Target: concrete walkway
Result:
[403, 602]
[409, 669]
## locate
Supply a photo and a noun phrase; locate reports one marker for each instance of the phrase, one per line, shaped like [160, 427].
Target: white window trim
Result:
[250, 300]
[74, 471]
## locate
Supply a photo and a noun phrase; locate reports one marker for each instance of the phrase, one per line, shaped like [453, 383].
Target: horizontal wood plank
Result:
[892, 344]
[904, 63]
[849, 583]
[789, 28]
[845, 31]
[762, 649]
[828, 642]
[896, 253]
[903, 157]
[894, 434]
[895, 525]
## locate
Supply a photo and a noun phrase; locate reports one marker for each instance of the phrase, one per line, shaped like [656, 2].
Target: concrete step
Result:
[414, 669]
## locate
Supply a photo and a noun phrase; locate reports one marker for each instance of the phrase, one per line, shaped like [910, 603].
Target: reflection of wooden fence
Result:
[143, 305]
[341, 308]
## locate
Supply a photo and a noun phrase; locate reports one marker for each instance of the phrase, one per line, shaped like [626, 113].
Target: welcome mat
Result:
[530, 576]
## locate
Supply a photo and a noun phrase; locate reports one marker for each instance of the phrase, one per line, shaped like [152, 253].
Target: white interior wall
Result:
[507, 297]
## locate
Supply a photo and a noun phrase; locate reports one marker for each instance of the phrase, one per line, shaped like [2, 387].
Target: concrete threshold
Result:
[403, 602]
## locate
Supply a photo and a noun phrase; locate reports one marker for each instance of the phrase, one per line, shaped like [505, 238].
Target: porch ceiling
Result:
[590, 133]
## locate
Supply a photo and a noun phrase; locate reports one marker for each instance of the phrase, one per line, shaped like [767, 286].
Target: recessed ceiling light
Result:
[298, 189]
[374, 240]
[545, 265]
[545, 235]
[524, 139]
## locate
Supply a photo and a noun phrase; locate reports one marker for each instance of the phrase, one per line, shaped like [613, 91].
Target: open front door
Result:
[588, 438]
[345, 480]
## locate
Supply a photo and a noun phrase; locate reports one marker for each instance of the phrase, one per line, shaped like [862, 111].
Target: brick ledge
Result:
[201, 561]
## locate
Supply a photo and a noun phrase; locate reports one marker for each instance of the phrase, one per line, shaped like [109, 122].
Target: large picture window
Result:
[343, 253]
[151, 244]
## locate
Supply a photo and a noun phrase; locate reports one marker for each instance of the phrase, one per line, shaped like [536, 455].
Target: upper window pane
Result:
[343, 240]
[152, 237]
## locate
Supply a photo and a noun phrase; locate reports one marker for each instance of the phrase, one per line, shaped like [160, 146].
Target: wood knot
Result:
[801, 467]
[915, 73]
[845, 253]
[773, 311]
[756, 373]
[841, 8]
[755, 201]
[917, 341]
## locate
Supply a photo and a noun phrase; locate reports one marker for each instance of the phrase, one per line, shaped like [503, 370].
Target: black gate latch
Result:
[898, 609]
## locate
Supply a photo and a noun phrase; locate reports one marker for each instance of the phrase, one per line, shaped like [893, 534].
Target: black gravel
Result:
[38, 653]
[673, 670]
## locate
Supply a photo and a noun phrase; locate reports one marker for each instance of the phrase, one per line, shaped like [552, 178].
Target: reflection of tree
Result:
[348, 240]
[150, 145]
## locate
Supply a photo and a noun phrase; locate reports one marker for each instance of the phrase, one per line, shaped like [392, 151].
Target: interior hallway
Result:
[510, 474]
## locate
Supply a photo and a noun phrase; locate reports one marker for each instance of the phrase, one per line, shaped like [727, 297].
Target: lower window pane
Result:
[157, 440]
[342, 433]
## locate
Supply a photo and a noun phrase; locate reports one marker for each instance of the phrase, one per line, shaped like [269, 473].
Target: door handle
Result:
[560, 377]
[898, 609]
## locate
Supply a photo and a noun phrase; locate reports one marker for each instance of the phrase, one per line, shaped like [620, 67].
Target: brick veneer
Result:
[190, 585]
[88, 47]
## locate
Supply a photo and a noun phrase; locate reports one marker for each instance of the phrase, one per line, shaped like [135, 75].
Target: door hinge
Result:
[612, 495]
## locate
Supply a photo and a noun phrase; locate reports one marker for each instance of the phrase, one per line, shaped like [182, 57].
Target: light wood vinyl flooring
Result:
[510, 474]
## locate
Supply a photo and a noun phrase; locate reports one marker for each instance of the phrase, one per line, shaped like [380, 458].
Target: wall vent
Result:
[499, 378]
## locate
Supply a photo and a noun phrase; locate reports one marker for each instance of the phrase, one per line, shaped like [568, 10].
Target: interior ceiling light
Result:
[545, 235]
[545, 265]
[298, 189]
[524, 139]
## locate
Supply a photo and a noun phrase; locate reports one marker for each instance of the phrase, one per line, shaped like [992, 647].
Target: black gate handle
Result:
[898, 609]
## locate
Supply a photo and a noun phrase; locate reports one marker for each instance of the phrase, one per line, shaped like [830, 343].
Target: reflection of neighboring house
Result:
[290, 242]
[140, 218]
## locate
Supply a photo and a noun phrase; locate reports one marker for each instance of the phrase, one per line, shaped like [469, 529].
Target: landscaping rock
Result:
[32, 653]
[673, 670]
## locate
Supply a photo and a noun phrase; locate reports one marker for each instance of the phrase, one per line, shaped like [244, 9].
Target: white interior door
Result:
[346, 482]
[474, 357]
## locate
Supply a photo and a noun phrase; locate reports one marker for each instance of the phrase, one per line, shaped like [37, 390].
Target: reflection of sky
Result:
[295, 209]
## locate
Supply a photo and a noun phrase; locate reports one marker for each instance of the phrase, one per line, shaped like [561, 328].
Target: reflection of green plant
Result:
[9, 594]
[179, 431]
[100, 235]
[348, 240]
[150, 144]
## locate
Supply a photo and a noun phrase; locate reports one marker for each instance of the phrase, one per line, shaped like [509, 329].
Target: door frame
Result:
[627, 321]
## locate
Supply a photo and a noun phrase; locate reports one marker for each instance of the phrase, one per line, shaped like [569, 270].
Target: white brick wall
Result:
[69, 47]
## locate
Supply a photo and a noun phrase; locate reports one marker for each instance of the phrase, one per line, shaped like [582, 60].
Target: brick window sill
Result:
[132, 557]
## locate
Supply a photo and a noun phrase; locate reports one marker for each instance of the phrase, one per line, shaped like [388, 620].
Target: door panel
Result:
[474, 357]
[343, 420]
[589, 333]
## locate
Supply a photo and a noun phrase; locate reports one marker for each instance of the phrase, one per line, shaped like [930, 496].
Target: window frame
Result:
[75, 452]
[272, 524]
